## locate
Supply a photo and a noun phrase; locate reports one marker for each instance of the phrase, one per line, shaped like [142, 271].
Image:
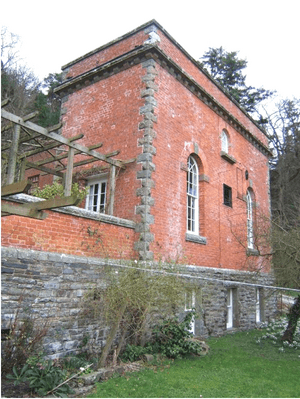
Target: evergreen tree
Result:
[227, 69]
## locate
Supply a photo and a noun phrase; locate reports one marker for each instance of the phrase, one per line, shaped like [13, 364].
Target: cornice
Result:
[140, 55]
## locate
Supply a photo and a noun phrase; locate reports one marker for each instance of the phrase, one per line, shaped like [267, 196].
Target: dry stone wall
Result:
[52, 287]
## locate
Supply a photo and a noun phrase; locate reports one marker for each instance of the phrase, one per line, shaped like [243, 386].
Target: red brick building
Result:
[146, 97]
[194, 173]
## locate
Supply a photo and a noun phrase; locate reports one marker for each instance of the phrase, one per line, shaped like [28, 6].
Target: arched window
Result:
[250, 233]
[192, 196]
[224, 142]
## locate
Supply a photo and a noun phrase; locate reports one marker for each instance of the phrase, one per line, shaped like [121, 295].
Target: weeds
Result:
[24, 339]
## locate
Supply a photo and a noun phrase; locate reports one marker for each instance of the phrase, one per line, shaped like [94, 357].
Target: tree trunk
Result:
[293, 317]
[111, 335]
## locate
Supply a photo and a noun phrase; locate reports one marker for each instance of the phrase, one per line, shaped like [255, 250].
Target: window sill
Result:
[195, 238]
[252, 252]
[228, 158]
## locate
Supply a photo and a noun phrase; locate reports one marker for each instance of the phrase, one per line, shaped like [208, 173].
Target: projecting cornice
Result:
[143, 53]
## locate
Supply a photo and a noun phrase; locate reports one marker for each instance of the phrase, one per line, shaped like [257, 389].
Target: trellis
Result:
[43, 140]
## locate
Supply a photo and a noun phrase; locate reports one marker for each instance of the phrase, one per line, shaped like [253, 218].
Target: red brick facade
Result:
[144, 96]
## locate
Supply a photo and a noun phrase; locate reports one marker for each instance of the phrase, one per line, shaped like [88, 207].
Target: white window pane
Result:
[192, 196]
[96, 199]
[224, 142]
[229, 309]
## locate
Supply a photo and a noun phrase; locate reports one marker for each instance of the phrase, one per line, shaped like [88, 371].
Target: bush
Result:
[172, 339]
[57, 190]
[24, 339]
[43, 376]
[135, 352]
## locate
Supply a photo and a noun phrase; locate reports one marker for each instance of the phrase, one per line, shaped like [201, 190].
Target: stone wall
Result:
[53, 285]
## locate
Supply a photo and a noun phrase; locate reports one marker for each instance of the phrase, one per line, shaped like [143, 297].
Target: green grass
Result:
[236, 366]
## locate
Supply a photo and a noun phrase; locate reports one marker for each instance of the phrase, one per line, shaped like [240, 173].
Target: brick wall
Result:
[148, 103]
[71, 231]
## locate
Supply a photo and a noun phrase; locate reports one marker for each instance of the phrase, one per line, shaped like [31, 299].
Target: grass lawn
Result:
[236, 366]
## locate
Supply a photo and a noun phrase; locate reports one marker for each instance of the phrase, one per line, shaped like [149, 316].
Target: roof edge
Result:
[193, 60]
[119, 39]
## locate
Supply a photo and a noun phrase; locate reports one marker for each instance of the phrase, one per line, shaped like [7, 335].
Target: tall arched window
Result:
[224, 142]
[250, 233]
[192, 196]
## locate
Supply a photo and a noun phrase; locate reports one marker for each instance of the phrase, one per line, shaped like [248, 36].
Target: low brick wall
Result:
[53, 286]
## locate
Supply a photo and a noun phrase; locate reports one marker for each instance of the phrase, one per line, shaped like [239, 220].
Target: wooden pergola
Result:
[42, 140]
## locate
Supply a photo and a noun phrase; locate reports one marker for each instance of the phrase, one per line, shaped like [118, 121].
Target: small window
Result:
[229, 323]
[96, 198]
[189, 306]
[227, 195]
[259, 305]
[224, 142]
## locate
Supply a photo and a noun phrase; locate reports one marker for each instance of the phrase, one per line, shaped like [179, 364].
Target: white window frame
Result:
[250, 232]
[257, 305]
[97, 202]
[229, 323]
[224, 142]
[192, 196]
[190, 300]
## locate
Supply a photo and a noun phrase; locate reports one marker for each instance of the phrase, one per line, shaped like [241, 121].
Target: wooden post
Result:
[69, 173]
[12, 159]
[22, 169]
[112, 185]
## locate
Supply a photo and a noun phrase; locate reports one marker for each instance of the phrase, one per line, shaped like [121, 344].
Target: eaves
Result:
[146, 52]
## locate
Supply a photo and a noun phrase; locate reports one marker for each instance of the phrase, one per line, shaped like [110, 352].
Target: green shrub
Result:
[135, 352]
[43, 376]
[172, 339]
[57, 190]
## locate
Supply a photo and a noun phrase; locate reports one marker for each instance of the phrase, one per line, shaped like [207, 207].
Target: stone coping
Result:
[76, 211]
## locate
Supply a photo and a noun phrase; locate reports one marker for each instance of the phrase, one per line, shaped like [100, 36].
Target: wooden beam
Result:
[57, 137]
[30, 116]
[87, 161]
[5, 102]
[6, 127]
[64, 156]
[31, 165]
[48, 147]
[54, 203]
[16, 188]
[13, 209]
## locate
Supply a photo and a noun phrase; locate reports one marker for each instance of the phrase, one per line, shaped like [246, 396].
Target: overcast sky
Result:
[265, 32]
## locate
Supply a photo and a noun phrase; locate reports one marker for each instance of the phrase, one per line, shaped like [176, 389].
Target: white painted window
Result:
[257, 305]
[96, 198]
[250, 236]
[229, 323]
[189, 305]
[192, 196]
[224, 142]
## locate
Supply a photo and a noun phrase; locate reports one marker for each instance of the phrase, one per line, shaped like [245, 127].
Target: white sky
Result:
[265, 32]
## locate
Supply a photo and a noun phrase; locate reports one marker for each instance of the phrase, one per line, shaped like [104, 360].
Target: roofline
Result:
[146, 52]
[195, 62]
